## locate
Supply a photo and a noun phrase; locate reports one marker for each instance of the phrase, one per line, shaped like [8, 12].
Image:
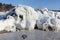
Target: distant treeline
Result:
[6, 7]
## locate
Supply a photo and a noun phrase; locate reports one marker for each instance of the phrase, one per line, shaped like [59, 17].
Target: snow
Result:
[26, 17]
[48, 18]
[7, 24]
[29, 16]
[31, 35]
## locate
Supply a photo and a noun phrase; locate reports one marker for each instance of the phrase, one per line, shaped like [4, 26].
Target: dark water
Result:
[3, 17]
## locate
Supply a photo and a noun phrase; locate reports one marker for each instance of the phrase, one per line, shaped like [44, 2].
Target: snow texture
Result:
[26, 17]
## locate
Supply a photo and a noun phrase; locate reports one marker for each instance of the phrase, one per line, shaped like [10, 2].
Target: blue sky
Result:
[51, 4]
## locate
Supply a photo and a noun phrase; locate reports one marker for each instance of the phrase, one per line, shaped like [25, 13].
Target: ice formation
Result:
[8, 24]
[26, 17]
[48, 19]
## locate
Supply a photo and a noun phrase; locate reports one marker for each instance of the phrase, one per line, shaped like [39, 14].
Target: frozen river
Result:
[31, 35]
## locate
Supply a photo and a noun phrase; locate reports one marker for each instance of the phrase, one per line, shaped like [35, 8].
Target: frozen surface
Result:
[3, 15]
[31, 16]
[31, 35]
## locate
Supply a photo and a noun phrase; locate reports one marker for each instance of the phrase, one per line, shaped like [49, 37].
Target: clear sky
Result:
[51, 4]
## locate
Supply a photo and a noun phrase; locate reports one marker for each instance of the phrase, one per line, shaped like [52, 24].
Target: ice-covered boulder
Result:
[29, 16]
[57, 25]
[8, 24]
[46, 20]
[25, 16]
[42, 19]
